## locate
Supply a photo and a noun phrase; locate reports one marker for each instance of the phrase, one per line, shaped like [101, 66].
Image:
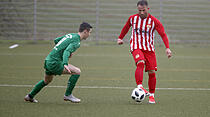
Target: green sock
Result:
[71, 84]
[37, 88]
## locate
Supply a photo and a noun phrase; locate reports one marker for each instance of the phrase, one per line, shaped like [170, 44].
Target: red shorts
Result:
[148, 56]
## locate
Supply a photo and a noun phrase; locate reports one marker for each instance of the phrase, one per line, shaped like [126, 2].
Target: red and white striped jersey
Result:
[143, 32]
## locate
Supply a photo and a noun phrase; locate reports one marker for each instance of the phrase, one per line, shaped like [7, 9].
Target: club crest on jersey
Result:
[137, 56]
[149, 26]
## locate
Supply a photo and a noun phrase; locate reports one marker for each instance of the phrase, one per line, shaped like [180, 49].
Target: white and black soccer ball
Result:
[138, 95]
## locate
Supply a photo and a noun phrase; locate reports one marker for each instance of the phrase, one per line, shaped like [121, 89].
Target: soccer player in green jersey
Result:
[56, 63]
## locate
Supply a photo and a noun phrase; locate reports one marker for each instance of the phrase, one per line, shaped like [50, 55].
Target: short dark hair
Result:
[142, 3]
[85, 26]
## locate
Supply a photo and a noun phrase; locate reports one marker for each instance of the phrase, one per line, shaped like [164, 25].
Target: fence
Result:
[184, 20]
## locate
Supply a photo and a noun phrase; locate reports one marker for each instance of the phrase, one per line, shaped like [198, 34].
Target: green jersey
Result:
[64, 47]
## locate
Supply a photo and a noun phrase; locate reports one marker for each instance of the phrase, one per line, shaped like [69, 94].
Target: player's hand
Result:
[67, 68]
[120, 41]
[168, 53]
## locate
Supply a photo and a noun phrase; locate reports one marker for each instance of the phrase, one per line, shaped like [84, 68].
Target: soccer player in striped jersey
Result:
[56, 63]
[142, 45]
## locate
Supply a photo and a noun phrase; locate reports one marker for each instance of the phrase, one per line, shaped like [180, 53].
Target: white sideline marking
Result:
[13, 46]
[107, 87]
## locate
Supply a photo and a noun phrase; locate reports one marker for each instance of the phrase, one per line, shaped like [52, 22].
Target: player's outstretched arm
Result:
[124, 31]
[168, 53]
[120, 42]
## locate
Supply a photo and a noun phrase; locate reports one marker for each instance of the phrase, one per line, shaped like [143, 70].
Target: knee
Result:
[152, 75]
[48, 79]
[78, 71]
[150, 72]
[140, 63]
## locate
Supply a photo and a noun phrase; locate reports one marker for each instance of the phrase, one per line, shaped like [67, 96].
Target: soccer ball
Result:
[138, 95]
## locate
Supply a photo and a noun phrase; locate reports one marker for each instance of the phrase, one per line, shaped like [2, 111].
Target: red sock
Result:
[152, 82]
[139, 73]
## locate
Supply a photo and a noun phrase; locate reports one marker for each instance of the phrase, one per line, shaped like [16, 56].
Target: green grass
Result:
[106, 65]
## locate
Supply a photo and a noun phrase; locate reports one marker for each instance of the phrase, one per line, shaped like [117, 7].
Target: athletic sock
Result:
[37, 88]
[71, 84]
[139, 73]
[152, 94]
[152, 82]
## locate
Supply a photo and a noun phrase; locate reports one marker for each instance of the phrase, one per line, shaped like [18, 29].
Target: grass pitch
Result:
[106, 83]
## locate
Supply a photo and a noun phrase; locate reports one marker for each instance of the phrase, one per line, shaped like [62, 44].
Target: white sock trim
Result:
[152, 94]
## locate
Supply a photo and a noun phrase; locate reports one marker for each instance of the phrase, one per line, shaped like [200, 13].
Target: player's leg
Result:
[71, 83]
[41, 84]
[152, 85]
[138, 57]
[152, 81]
[139, 73]
[139, 60]
[73, 69]
[151, 67]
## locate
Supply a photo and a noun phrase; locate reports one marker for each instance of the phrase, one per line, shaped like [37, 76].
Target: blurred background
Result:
[185, 21]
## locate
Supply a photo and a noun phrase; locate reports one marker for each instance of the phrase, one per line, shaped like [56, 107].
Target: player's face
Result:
[87, 33]
[143, 11]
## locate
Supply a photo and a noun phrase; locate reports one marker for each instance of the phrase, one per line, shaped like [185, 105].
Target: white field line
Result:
[107, 87]
[13, 46]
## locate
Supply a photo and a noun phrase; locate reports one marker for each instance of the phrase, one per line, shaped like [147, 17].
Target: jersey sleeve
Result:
[68, 51]
[56, 40]
[125, 29]
[160, 29]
